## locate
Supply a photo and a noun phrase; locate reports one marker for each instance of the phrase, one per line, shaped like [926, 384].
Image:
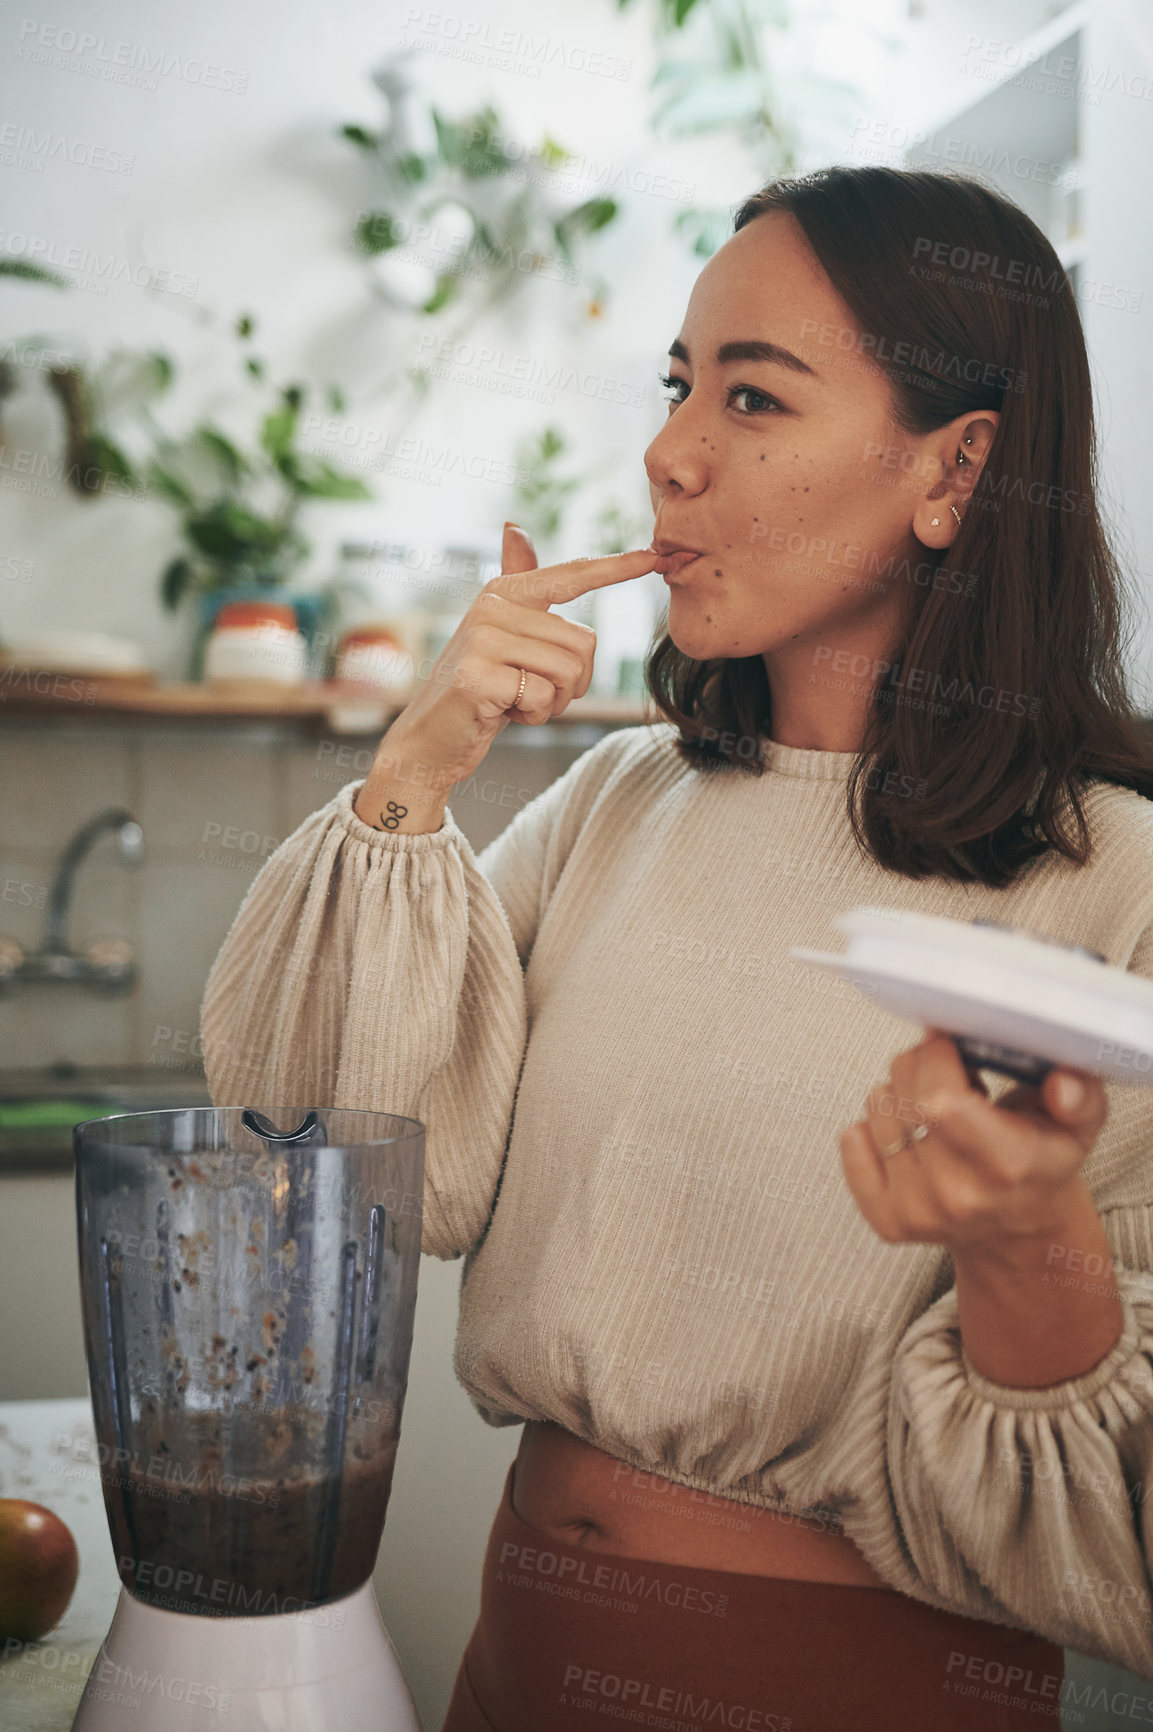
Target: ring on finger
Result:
[911, 1134]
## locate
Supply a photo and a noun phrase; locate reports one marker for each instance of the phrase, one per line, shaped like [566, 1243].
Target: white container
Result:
[383, 664]
[257, 649]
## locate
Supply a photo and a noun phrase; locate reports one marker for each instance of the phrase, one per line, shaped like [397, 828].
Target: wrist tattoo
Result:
[396, 813]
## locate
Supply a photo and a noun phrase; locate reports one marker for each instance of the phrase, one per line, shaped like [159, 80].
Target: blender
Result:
[248, 1283]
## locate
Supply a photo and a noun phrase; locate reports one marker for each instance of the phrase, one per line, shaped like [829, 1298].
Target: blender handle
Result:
[309, 1131]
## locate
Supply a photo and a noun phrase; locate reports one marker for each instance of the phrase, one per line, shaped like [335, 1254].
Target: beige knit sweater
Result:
[632, 1097]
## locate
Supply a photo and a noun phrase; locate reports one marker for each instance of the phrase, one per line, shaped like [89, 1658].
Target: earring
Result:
[956, 514]
[934, 523]
[968, 439]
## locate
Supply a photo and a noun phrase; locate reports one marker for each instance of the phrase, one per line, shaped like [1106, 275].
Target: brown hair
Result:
[1042, 626]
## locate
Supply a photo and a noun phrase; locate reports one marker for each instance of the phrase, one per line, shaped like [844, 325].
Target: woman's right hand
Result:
[470, 694]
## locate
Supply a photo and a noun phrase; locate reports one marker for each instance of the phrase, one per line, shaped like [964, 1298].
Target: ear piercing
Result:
[936, 521]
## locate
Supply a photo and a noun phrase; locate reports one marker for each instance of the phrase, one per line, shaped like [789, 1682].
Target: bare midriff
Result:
[579, 1496]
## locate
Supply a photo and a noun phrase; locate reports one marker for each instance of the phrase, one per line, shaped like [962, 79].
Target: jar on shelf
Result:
[375, 655]
[419, 592]
[256, 640]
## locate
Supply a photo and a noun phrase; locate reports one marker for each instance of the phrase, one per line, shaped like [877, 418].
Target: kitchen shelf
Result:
[344, 710]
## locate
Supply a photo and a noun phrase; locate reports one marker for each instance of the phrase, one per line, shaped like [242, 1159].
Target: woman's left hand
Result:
[981, 1171]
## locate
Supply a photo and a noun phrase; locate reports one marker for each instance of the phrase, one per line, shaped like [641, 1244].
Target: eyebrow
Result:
[749, 351]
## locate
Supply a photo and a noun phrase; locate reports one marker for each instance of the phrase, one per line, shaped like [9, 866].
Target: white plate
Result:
[1021, 1002]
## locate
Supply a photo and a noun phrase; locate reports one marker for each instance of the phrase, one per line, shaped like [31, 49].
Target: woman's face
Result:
[784, 474]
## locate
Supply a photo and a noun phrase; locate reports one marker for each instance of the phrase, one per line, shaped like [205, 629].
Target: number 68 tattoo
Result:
[396, 814]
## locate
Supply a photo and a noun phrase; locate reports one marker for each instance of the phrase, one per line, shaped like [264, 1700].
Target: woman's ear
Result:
[972, 437]
[958, 453]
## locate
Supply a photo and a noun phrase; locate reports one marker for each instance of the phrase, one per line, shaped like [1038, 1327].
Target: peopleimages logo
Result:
[607, 1578]
[119, 61]
[1019, 272]
[886, 673]
[668, 1699]
[24, 147]
[128, 1687]
[93, 267]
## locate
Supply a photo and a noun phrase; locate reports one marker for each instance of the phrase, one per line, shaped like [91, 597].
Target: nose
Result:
[674, 460]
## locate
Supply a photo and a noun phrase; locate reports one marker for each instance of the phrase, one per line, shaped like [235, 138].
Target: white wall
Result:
[241, 192]
[250, 196]
[1118, 312]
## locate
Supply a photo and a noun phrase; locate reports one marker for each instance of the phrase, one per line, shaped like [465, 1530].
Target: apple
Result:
[39, 1565]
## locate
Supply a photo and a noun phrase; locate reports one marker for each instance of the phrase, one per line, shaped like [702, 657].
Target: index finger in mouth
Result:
[547, 586]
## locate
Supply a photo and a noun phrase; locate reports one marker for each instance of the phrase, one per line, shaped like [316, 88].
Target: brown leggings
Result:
[568, 1638]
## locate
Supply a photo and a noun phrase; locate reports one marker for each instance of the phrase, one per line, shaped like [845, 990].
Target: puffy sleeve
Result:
[1031, 1506]
[386, 973]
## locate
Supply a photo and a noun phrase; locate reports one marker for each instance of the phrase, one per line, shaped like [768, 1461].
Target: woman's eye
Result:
[763, 402]
[751, 391]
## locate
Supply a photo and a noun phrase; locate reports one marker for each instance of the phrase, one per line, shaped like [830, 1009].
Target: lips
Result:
[672, 555]
[669, 564]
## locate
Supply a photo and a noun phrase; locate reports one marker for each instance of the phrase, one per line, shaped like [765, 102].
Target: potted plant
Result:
[238, 509]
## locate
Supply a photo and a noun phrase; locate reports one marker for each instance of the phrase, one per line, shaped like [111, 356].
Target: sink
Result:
[38, 1107]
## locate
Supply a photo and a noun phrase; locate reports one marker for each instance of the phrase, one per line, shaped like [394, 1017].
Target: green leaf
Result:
[377, 232]
[707, 230]
[552, 153]
[245, 325]
[33, 273]
[317, 480]
[255, 367]
[471, 145]
[175, 582]
[446, 288]
[127, 381]
[681, 10]
[230, 532]
[707, 100]
[412, 167]
[485, 242]
[234, 465]
[278, 430]
[110, 459]
[590, 216]
[163, 481]
[358, 135]
[449, 139]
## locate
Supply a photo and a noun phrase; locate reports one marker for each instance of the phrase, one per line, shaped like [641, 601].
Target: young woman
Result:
[833, 1356]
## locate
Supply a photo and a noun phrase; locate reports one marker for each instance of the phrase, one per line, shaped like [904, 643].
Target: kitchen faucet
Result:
[107, 965]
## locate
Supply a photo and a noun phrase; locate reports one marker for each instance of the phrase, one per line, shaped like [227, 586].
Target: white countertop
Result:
[48, 1455]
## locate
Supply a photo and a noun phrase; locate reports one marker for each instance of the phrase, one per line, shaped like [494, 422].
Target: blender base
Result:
[311, 1671]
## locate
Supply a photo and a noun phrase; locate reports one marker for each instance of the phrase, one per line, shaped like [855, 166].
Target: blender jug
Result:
[249, 1284]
